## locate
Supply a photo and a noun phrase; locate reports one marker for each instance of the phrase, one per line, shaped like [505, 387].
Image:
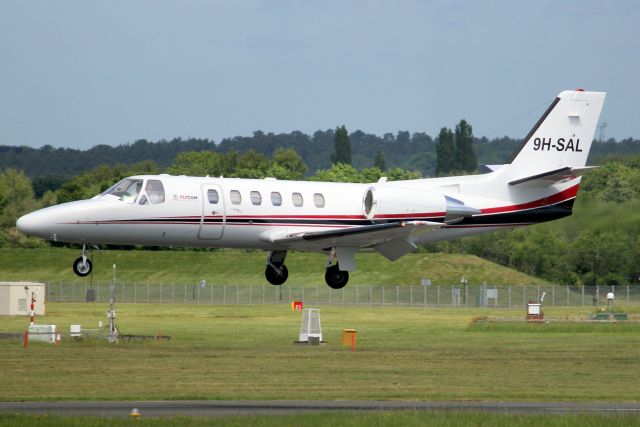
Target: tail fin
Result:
[561, 139]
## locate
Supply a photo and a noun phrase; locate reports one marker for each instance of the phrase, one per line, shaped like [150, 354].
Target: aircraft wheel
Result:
[275, 277]
[335, 278]
[81, 268]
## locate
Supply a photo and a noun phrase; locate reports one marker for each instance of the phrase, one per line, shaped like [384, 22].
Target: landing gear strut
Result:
[276, 272]
[82, 265]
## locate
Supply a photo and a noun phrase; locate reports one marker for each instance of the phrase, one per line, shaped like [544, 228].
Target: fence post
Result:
[160, 293]
[369, 295]
[98, 292]
[237, 295]
[73, 291]
[397, 296]
[185, 293]
[424, 290]
[250, 293]
[411, 296]
[524, 296]
[173, 293]
[627, 294]
[224, 295]
[383, 296]
[438, 296]
[553, 295]
[582, 300]
[509, 295]
[357, 294]
[568, 296]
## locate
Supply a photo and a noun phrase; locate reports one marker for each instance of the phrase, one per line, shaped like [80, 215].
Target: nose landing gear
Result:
[82, 265]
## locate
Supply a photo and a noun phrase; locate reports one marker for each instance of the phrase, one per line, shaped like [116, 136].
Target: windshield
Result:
[127, 190]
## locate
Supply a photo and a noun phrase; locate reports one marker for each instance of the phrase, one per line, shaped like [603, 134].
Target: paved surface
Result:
[229, 408]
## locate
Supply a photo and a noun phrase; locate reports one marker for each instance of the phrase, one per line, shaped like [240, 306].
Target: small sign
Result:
[297, 305]
[426, 282]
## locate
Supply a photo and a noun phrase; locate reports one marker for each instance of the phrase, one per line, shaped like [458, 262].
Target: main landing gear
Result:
[335, 278]
[82, 265]
[276, 272]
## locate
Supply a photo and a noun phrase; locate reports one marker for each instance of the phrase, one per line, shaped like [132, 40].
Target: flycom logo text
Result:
[184, 197]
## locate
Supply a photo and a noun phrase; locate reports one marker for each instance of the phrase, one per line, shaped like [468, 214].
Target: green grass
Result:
[247, 352]
[407, 419]
[236, 267]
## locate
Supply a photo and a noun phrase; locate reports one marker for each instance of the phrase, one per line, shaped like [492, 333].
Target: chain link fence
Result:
[407, 296]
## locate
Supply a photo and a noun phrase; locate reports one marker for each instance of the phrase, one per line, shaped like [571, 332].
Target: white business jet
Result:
[539, 184]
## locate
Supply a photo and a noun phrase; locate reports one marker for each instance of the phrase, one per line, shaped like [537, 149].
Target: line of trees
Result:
[49, 167]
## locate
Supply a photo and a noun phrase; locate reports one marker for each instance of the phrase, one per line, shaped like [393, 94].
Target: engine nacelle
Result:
[385, 202]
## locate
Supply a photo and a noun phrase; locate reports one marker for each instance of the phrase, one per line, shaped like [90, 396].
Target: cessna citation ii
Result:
[539, 184]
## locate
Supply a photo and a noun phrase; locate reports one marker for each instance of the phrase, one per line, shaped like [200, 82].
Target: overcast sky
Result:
[82, 73]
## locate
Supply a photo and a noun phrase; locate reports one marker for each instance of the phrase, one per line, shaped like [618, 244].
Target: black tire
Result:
[335, 278]
[82, 269]
[274, 277]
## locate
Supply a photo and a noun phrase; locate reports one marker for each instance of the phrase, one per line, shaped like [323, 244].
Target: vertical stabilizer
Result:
[562, 137]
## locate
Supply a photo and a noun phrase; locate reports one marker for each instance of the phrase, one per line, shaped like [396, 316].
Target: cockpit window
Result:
[155, 191]
[127, 190]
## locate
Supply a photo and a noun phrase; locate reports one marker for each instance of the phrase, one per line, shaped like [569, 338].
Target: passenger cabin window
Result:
[318, 200]
[256, 198]
[276, 198]
[235, 198]
[127, 190]
[297, 199]
[213, 196]
[155, 191]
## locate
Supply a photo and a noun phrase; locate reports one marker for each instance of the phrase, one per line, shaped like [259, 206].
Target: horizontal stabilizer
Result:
[547, 178]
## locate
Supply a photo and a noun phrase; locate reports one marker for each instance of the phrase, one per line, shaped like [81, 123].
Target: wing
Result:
[391, 239]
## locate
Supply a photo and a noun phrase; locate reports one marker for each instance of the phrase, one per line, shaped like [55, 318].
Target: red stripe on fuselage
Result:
[567, 194]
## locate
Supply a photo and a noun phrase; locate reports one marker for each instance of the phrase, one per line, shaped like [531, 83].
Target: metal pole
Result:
[438, 296]
[411, 296]
[568, 296]
[160, 293]
[224, 295]
[424, 289]
[509, 295]
[369, 295]
[582, 300]
[524, 296]
[553, 295]
[397, 296]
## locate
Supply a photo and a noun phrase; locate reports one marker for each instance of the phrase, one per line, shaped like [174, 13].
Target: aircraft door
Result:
[213, 217]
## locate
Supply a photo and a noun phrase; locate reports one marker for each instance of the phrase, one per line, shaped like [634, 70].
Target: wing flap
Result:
[362, 236]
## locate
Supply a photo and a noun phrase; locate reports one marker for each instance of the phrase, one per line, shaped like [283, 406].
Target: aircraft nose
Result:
[33, 224]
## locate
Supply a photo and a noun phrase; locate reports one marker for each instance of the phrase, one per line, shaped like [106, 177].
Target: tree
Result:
[445, 151]
[379, 162]
[342, 147]
[16, 194]
[466, 160]
[287, 164]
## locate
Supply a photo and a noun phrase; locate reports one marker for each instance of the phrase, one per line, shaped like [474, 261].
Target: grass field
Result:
[236, 267]
[407, 419]
[247, 352]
